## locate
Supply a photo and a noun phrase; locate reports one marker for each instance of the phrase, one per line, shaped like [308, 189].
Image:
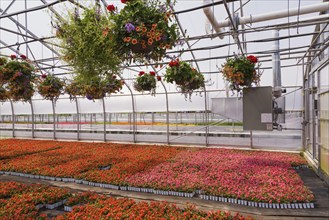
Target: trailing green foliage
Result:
[87, 46]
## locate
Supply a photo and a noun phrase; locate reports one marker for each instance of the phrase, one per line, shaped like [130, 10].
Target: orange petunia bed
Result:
[254, 176]
[22, 201]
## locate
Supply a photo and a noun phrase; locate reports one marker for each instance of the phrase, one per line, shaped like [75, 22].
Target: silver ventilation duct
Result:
[276, 65]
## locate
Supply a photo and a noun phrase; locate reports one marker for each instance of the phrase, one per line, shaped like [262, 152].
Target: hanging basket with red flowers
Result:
[146, 82]
[186, 78]
[50, 87]
[240, 72]
[143, 30]
[16, 78]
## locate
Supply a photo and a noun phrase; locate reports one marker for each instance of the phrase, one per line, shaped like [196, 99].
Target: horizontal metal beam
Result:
[10, 48]
[31, 33]
[18, 33]
[37, 8]
[203, 6]
[29, 41]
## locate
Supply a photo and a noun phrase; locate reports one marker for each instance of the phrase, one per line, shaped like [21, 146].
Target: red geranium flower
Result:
[124, 1]
[43, 76]
[23, 57]
[174, 63]
[152, 73]
[159, 78]
[141, 73]
[13, 56]
[110, 8]
[252, 58]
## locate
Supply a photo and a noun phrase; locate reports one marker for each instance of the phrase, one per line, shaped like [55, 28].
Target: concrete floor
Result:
[287, 140]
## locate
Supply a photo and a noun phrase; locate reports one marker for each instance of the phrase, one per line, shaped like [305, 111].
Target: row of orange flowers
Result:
[19, 201]
[76, 159]
[254, 176]
[12, 148]
[123, 208]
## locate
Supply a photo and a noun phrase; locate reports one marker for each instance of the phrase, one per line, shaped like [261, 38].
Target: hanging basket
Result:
[147, 87]
[3, 95]
[138, 48]
[146, 82]
[143, 30]
[240, 72]
[85, 45]
[186, 78]
[50, 87]
[73, 89]
[17, 78]
[19, 93]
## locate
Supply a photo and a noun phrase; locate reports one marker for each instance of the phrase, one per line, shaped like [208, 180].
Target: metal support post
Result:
[54, 120]
[78, 119]
[32, 120]
[206, 110]
[12, 117]
[251, 140]
[104, 119]
[134, 110]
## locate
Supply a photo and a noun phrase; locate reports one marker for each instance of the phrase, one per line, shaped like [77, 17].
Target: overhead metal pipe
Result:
[234, 28]
[211, 17]
[324, 6]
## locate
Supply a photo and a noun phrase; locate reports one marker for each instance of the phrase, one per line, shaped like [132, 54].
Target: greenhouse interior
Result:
[239, 122]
